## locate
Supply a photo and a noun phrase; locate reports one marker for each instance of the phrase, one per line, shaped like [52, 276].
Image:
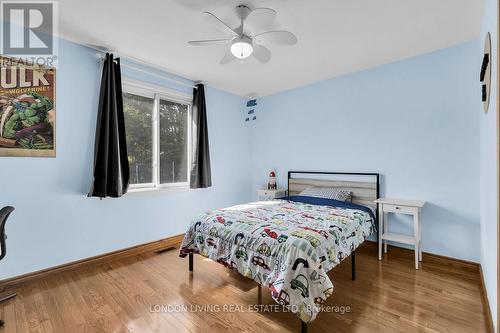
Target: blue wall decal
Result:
[252, 108]
[252, 102]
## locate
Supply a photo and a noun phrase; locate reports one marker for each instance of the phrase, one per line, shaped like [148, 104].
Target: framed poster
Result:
[27, 109]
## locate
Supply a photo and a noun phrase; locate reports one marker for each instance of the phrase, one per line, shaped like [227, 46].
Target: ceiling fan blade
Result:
[278, 37]
[259, 18]
[219, 24]
[261, 53]
[228, 57]
[209, 41]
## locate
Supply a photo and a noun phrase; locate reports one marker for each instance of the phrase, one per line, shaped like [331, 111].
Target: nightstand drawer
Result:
[399, 209]
[270, 194]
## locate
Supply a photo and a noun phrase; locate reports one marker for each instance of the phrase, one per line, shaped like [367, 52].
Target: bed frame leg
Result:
[190, 262]
[259, 294]
[353, 264]
[303, 327]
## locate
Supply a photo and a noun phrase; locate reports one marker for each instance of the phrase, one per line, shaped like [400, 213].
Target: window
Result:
[139, 128]
[158, 129]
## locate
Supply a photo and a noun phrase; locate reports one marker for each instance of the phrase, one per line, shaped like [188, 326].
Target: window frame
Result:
[158, 93]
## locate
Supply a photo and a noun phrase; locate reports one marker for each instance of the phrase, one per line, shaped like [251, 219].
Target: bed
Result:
[288, 245]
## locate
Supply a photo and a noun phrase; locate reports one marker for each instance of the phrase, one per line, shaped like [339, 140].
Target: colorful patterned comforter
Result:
[284, 245]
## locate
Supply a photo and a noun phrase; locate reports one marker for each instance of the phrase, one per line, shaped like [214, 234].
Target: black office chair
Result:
[4, 214]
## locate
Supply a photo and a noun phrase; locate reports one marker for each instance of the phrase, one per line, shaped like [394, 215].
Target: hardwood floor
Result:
[125, 296]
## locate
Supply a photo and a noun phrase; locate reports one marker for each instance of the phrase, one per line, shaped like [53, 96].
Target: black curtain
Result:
[200, 169]
[111, 169]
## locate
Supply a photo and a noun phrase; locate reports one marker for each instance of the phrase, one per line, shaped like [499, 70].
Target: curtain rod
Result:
[100, 56]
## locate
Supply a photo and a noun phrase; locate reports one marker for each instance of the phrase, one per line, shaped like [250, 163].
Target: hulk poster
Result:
[27, 109]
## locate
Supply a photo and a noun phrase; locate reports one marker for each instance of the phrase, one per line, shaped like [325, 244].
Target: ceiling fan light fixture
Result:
[243, 40]
[242, 47]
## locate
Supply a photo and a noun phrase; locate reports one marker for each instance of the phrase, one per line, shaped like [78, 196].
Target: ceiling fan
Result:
[250, 37]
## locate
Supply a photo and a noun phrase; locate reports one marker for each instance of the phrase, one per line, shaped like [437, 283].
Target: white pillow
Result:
[327, 193]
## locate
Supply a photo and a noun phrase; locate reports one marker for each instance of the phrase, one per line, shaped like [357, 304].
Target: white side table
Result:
[400, 206]
[264, 194]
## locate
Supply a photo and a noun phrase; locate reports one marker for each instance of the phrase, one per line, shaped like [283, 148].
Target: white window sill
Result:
[167, 189]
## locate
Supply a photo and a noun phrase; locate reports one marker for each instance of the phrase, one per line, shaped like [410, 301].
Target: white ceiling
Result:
[336, 37]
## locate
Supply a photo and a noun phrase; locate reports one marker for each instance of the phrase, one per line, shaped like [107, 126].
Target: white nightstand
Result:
[264, 194]
[400, 206]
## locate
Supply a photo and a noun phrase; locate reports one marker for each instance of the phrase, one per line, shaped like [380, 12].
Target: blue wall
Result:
[414, 121]
[55, 222]
[488, 165]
